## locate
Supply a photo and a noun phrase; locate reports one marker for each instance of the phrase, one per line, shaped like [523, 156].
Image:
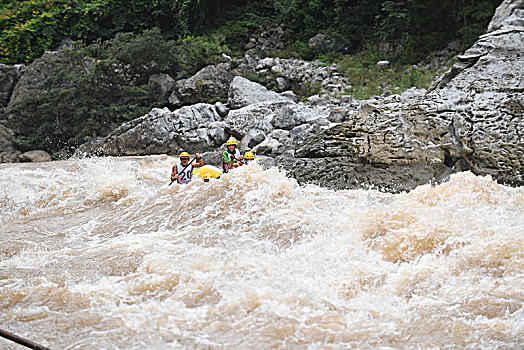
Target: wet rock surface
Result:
[162, 131]
[211, 82]
[472, 118]
[35, 156]
[9, 76]
[8, 152]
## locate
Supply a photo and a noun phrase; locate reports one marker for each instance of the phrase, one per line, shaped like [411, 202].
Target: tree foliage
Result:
[29, 27]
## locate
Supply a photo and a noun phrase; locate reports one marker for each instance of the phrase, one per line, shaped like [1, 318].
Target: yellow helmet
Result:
[184, 154]
[231, 142]
[249, 155]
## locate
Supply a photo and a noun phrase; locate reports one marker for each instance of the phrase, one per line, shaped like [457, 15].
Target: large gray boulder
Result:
[377, 146]
[165, 82]
[276, 143]
[192, 128]
[262, 118]
[35, 156]
[472, 118]
[509, 13]
[8, 152]
[9, 76]
[42, 68]
[257, 116]
[243, 92]
[210, 82]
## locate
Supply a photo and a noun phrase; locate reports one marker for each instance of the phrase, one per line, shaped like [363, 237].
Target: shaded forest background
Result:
[128, 41]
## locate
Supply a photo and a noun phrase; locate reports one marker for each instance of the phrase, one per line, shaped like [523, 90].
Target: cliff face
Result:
[472, 118]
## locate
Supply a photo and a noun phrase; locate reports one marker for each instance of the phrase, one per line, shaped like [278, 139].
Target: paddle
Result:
[21, 341]
[235, 159]
[188, 164]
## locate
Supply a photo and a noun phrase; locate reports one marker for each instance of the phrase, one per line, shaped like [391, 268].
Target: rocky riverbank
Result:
[470, 119]
[270, 124]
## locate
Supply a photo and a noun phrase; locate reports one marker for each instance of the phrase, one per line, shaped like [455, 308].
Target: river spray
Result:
[102, 253]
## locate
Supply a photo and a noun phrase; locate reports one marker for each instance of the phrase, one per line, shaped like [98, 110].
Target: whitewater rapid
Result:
[101, 253]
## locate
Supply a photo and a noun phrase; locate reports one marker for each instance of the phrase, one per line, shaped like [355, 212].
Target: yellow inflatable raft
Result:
[210, 170]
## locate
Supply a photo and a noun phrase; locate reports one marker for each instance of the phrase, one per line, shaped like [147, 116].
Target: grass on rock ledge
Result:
[368, 79]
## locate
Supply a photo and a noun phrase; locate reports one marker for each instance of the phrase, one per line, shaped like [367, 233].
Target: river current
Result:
[101, 253]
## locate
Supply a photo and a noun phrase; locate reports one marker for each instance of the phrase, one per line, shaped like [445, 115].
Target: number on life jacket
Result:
[186, 175]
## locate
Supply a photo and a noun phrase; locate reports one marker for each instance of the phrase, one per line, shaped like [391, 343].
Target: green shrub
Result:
[83, 97]
[297, 49]
[304, 18]
[236, 33]
[28, 28]
[75, 103]
[136, 57]
[257, 78]
[62, 120]
[194, 53]
[367, 79]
